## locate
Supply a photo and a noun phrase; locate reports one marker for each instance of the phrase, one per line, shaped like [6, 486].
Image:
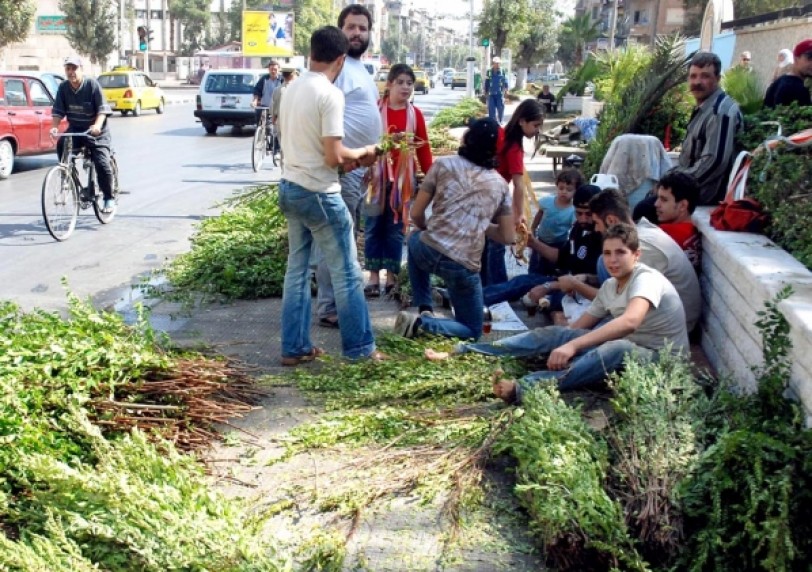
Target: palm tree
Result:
[581, 30]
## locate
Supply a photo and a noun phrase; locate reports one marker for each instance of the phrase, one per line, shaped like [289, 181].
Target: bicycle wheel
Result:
[60, 202]
[258, 147]
[273, 144]
[98, 200]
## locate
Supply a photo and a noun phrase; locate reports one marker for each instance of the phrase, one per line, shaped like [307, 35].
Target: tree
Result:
[579, 31]
[312, 14]
[91, 27]
[504, 22]
[15, 20]
[194, 16]
[539, 42]
[741, 9]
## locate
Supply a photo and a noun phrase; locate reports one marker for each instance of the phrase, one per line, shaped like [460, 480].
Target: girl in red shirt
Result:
[525, 122]
[392, 179]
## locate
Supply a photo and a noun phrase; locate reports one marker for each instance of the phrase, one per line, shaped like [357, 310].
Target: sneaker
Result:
[544, 303]
[109, 205]
[406, 324]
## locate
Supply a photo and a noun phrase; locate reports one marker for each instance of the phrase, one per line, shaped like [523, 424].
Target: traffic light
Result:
[485, 42]
[142, 38]
[149, 36]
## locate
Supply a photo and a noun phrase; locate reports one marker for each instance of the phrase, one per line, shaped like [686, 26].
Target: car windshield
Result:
[383, 76]
[113, 81]
[229, 83]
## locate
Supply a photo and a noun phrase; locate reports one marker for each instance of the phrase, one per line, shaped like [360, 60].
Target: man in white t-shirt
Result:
[362, 126]
[646, 317]
[311, 118]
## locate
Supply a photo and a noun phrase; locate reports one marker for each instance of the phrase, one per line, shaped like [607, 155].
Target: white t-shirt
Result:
[665, 320]
[362, 119]
[312, 108]
[661, 252]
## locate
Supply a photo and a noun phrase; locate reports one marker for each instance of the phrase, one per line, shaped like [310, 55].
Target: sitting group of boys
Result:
[638, 278]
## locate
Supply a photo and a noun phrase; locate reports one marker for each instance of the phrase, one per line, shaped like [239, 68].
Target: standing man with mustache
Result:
[362, 127]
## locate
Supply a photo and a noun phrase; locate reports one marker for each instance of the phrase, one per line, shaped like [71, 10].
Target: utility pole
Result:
[471, 29]
[120, 32]
[612, 26]
[146, 52]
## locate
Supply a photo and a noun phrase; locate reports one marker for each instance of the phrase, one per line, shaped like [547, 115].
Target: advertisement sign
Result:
[51, 24]
[267, 33]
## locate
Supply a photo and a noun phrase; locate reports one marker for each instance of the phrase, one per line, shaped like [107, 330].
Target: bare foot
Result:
[559, 319]
[433, 355]
[505, 389]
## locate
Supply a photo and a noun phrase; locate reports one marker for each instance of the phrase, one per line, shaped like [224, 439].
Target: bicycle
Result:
[266, 139]
[63, 192]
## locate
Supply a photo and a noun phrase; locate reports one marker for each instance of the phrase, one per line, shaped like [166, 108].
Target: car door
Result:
[42, 104]
[150, 92]
[24, 122]
[144, 91]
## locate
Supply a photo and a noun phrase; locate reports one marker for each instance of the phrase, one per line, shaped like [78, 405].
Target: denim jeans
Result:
[540, 265]
[588, 367]
[100, 153]
[351, 193]
[464, 290]
[493, 269]
[513, 289]
[383, 239]
[323, 219]
[496, 107]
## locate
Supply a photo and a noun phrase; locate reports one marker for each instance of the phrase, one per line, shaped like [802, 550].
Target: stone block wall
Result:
[764, 41]
[740, 271]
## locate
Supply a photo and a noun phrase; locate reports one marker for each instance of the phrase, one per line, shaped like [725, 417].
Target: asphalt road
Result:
[172, 176]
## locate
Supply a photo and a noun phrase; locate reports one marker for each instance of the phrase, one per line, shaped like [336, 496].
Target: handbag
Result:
[737, 212]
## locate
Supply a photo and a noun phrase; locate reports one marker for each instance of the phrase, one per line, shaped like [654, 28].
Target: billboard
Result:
[267, 33]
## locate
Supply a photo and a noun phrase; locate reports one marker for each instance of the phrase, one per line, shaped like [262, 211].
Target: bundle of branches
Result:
[633, 102]
[442, 142]
[181, 405]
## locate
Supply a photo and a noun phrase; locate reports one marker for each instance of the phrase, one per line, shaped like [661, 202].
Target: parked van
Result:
[225, 98]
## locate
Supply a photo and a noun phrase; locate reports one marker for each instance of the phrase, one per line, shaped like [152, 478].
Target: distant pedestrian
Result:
[785, 61]
[546, 98]
[790, 87]
[496, 87]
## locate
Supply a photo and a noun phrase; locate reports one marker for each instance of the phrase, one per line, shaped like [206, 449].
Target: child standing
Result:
[554, 219]
[393, 179]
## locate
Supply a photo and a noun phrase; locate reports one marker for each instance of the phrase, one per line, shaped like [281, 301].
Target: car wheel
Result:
[210, 127]
[137, 109]
[160, 108]
[6, 158]
[124, 113]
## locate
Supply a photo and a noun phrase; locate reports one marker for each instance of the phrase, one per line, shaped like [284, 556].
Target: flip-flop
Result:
[328, 323]
[293, 361]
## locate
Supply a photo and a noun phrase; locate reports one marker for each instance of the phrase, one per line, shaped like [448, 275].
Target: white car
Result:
[225, 98]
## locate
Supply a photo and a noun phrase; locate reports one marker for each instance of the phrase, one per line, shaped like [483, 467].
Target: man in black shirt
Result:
[790, 87]
[81, 101]
[546, 98]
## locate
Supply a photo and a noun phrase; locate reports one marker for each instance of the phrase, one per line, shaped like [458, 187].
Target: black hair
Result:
[703, 59]
[327, 44]
[529, 110]
[400, 69]
[627, 233]
[583, 194]
[683, 186]
[479, 143]
[610, 202]
[355, 10]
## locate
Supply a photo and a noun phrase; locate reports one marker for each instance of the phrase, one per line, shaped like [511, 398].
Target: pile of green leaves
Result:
[241, 253]
[748, 497]
[782, 180]
[442, 142]
[745, 87]
[459, 115]
[74, 499]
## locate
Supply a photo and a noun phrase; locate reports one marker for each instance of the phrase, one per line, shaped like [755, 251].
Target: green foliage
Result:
[748, 496]
[579, 78]
[504, 22]
[745, 87]
[195, 16]
[240, 254]
[539, 42]
[458, 116]
[781, 180]
[15, 20]
[577, 32]
[312, 14]
[91, 27]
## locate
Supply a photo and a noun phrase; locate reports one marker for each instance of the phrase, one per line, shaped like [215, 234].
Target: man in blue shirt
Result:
[496, 86]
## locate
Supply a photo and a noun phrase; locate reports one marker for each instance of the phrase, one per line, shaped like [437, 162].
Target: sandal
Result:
[293, 361]
[328, 322]
[372, 290]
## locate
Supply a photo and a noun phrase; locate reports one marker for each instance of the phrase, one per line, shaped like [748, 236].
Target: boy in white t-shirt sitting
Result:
[647, 315]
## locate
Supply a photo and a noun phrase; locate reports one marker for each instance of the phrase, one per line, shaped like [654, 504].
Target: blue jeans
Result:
[383, 239]
[493, 269]
[517, 287]
[496, 106]
[588, 367]
[323, 219]
[351, 193]
[464, 290]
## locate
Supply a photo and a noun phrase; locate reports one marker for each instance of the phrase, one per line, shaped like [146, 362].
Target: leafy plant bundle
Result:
[745, 87]
[459, 115]
[241, 253]
[442, 142]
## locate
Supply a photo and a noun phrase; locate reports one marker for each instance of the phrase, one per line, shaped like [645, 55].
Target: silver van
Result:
[225, 98]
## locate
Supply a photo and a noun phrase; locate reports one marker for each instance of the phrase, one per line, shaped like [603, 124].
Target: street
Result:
[172, 175]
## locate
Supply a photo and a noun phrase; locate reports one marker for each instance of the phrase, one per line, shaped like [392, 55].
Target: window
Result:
[641, 17]
[139, 80]
[156, 15]
[229, 83]
[39, 95]
[15, 93]
[114, 81]
[595, 13]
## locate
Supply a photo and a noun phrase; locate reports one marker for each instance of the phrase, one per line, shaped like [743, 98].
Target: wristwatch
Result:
[548, 286]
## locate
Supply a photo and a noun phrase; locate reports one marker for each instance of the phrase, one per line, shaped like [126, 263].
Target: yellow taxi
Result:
[129, 91]
[421, 82]
[380, 80]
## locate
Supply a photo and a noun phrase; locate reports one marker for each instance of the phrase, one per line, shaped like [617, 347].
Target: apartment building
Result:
[639, 21]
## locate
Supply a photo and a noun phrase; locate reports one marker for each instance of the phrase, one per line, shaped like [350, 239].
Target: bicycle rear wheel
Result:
[98, 200]
[258, 147]
[273, 144]
[60, 202]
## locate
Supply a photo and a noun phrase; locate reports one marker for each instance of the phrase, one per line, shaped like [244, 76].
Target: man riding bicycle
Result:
[81, 101]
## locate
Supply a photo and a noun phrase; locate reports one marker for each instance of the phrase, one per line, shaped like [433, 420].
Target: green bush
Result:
[459, 115]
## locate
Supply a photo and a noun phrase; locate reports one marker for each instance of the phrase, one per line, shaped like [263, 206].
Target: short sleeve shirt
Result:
[665, 321]
[510, 160]
[556, 221]
[465, 199]
[362, 119]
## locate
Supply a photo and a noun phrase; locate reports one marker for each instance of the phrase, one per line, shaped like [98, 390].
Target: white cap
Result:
[496, 60]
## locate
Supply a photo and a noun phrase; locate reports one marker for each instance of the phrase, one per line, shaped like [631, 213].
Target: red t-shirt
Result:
[510, 157]
[397, 124]
[688, 238]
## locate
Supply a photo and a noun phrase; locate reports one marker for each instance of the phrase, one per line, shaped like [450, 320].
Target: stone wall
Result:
[764, 41]
[741, 271]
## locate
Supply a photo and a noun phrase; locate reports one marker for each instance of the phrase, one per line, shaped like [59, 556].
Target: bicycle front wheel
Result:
[258, 148]
[60, 202]
[98, 200]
